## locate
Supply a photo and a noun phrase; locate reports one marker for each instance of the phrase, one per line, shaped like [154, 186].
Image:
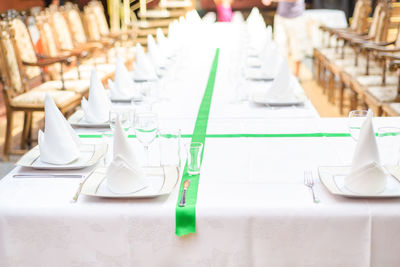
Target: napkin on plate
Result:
[367, 175]
[163, 43]
[143, 69]
[96, 110]
[271, 58]
[58, 144]
[281, 88]
[124, 174]
[154, 52]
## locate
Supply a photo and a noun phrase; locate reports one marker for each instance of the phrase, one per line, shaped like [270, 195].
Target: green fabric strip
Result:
[186, 216]
[272, 135]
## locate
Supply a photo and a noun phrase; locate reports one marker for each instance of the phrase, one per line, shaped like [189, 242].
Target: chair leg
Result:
[331, 88]
[8, 139]
[25, 137]
[353, 101]
[341, 97]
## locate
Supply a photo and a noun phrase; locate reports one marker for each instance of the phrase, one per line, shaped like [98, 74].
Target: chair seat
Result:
[361, 69]
[333, 53]
[77, 86]
[35, 98]
[376, 80]
[395, 107]
[386, 93]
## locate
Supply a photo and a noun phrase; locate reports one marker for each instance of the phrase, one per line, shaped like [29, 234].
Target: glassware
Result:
[194, 151]
[356, 120]
[389, 145]
[125, 114]
[170, 147]
[146, 128]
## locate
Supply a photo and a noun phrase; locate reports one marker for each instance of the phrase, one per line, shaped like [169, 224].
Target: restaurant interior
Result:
[199, 133]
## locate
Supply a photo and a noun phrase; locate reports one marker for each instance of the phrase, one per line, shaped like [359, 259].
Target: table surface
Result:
[252, 209]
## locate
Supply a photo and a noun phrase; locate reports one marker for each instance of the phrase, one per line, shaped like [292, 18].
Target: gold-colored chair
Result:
[18, 95]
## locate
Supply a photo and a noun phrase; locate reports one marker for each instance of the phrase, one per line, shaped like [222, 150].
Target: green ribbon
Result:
[186, 216]
[271, 135]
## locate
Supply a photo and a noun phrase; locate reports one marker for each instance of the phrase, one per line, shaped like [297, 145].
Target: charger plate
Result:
[258, 98]
[77, 120]
[90, 155]
[161, 181]
[332, 177]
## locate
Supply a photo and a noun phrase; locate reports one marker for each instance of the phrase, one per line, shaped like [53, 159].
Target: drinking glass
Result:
[356, 120]
[194, 151]
[146, 127]
[125, 115]
[389, 145]
[170, 147]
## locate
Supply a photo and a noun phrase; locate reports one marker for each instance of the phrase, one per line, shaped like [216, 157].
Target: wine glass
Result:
[356, 120]
[146, 128]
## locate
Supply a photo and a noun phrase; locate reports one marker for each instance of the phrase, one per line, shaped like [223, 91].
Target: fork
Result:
[309, 182]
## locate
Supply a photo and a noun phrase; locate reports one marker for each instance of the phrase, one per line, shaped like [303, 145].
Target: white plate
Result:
[258, 98]
[162, 180]
[255, 74]
[332, 177]
[90, 155]
[77, 120]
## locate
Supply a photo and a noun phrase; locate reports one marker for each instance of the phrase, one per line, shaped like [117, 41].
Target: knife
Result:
[182, 202]
[47, 175]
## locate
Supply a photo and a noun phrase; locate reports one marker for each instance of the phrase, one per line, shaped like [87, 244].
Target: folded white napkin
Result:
[59, 144]
[143, 69]
[193, 17]
[238, 17]
[123, 81]
[270, 59]
[367, 175]
[254, 13]
[124, 174]
[96, 110]
[163, 43]
[281, 88]
[155, 53]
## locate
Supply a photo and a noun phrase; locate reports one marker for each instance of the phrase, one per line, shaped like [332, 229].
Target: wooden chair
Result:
[34, 63]
[322, 56]
[17, 93]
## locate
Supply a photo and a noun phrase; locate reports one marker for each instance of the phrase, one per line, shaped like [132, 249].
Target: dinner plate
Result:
[77, 120]
[255, 74]
[332, 177]
[161, 181]
[259, 98]
[90, 155]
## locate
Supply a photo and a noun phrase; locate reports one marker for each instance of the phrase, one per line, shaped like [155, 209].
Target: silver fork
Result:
[309, 182]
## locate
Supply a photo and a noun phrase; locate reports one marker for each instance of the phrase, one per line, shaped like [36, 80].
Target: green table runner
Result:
[186, 216]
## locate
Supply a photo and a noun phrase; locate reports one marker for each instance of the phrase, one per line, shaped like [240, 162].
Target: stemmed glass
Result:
[146, 128]
[356, 120]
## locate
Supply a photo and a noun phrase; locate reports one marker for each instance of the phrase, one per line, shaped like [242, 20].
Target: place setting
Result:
[374, 169]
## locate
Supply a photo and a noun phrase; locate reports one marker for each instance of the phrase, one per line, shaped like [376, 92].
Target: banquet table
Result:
[252, 207]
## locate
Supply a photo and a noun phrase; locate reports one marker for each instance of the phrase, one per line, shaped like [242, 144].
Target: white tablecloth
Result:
[252, 209]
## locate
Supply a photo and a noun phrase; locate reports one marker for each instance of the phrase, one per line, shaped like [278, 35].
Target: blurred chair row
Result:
[357, 67]
[71, 43]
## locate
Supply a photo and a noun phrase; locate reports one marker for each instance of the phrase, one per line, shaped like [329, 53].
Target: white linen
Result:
[59, 144]
[124, 174]
[96, 110]
[143, 69]
[366, 176]
[252, 209]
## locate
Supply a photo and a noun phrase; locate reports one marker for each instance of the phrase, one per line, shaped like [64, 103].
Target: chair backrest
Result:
[375, 19]
[383, 23]
[49, 44]
[61, 30]
[98, 10]
[92, 25]
[73, 16]
[361, 12]
[12, 74]
[25, 47]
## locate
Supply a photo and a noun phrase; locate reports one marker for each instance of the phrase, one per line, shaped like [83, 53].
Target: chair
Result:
[18, 95]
